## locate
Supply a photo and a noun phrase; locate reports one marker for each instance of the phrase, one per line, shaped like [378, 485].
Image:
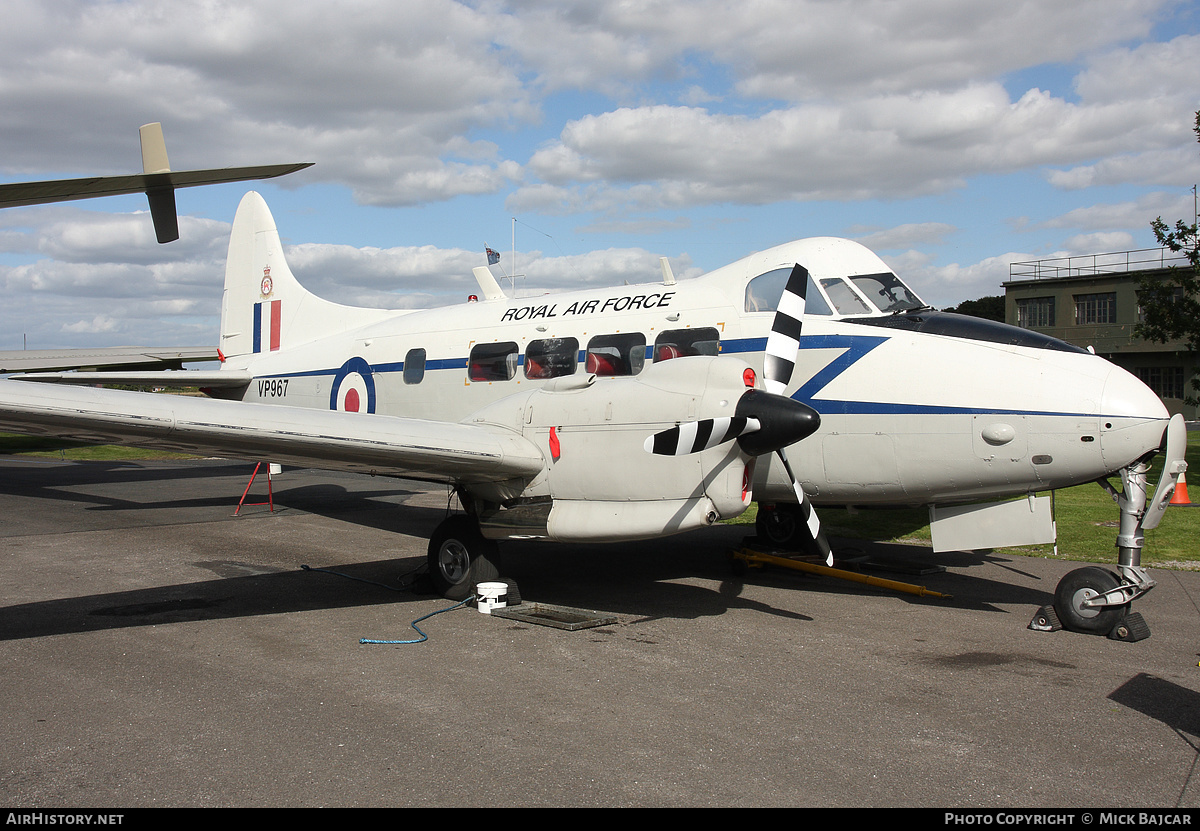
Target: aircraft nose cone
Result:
[1126, 396]
[784, 421]
[1132, 419]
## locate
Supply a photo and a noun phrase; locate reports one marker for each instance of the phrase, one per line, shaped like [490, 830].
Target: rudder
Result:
[264, 308]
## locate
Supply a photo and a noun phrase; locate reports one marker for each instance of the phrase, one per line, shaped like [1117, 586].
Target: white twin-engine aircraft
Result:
[643, 411]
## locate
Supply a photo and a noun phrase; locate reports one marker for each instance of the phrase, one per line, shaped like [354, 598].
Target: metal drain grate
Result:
[560, 617]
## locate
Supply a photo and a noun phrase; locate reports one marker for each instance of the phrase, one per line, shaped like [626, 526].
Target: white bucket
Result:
[491, 596]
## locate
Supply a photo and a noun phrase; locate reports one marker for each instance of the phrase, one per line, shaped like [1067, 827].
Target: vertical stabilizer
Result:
[264, 308]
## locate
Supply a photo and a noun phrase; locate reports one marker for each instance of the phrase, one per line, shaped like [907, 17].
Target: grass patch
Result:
[78, 451]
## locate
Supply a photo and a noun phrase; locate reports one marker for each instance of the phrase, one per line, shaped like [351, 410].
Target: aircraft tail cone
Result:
[1180, 497]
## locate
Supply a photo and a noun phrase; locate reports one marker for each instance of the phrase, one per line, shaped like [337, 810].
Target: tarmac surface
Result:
[157, 651]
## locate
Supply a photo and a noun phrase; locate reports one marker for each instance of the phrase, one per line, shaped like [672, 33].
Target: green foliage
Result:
[989, 308]
[1171, 304]
[78, 451]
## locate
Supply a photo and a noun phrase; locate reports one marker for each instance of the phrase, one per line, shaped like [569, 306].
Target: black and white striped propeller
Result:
[783, 344]
[764, 422]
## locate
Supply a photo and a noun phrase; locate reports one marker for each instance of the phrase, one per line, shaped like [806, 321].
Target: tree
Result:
[1171, 304]
[989, 308]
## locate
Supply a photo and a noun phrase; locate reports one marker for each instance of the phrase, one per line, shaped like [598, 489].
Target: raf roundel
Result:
[353, 388]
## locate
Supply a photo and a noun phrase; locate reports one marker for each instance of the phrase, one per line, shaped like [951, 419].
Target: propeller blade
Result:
[695, 436]
[811, 522]
[784, 341]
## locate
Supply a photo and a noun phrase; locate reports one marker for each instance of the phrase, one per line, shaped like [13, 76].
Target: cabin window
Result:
[493, 362]
[551, 358]
[616, 354]
[414, 366]
[764, 291]
[844, 298]
[683, 343]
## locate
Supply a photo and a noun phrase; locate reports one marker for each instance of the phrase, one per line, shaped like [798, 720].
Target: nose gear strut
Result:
[1097, 601]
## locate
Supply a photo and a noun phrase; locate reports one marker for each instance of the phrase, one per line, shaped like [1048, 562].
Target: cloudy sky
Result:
[951, 136]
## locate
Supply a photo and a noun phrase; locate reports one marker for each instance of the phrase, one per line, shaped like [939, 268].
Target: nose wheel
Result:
[1095, 600]
[1090, 600]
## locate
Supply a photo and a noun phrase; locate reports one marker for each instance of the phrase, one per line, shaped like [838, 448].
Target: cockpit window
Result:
[887, 292]
[844, 298]
[764, 291]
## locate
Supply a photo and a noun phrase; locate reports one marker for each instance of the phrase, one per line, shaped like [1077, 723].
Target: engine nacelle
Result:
[599, 482]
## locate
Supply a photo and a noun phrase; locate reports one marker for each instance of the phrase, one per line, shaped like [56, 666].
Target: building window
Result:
[1165, 381]
[1176, 296]
[1093, 309]
[1035, 312]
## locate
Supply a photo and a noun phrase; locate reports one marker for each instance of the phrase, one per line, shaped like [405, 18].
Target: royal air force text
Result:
[627, 303]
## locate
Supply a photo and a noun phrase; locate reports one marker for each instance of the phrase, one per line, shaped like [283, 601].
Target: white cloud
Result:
[1137, 213]
[684, 105]
[905, 236]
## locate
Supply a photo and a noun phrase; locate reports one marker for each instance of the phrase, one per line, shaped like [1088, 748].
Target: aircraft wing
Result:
[117, 357]
[65, 190]
[389, 445]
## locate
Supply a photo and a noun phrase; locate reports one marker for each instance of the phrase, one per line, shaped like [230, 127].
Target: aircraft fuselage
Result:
[909, 416]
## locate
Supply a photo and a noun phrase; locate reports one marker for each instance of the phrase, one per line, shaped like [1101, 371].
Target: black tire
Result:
[782, 526]
[1076, 587]
[460, 557]
[778, 525]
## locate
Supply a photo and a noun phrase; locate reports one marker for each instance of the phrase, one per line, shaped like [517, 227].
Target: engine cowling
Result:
[599, 482]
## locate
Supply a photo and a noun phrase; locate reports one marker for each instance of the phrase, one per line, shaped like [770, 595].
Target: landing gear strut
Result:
[1095, 600]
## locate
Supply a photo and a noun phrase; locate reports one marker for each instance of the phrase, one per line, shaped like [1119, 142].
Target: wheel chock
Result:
[1045, 619]
[1131, 630]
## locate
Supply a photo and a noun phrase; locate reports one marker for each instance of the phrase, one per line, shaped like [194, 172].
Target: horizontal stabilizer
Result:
[117, 357]
[66, 190]
[156, 180]
[175, 379]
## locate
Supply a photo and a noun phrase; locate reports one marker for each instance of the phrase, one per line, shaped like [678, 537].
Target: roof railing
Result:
[1086, 265]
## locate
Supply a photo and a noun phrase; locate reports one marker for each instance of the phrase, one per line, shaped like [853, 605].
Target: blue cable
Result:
[423, 637]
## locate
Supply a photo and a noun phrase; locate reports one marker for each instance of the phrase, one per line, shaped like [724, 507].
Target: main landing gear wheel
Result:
[1081, 585]
[460, 556]
[779, 525]
[782, 526]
